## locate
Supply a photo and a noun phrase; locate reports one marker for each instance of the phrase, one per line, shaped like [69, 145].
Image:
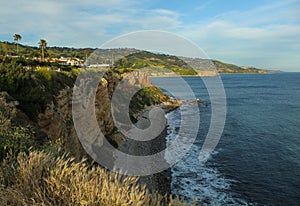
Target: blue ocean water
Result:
[257, 161]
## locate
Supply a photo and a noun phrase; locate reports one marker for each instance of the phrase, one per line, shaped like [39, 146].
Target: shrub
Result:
[45, 72]
[147, 96]
[32, 89]
[15, 140]
[75, 71]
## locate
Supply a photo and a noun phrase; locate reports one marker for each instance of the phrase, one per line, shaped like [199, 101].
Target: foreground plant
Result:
[40, 178]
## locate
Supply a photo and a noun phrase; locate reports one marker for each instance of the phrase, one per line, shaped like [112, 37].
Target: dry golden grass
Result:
[39, 178]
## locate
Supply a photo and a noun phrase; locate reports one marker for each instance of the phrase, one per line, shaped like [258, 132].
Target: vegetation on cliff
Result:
[37, 89]
[36, 131]
[33, 88]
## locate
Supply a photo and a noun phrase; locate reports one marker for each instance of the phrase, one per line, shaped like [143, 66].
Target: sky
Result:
[260, 33]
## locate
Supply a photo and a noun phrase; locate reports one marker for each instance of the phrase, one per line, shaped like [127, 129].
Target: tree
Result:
[43, 44]
[17, 37]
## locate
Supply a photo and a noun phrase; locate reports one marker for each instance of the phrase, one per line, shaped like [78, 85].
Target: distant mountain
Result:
[126, 59]
[231, 68]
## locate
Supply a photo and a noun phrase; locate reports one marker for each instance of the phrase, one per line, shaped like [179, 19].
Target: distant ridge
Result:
[129, 59]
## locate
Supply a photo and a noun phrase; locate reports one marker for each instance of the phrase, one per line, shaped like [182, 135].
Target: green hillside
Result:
[8, 48]
[154, 63]
[127, 59]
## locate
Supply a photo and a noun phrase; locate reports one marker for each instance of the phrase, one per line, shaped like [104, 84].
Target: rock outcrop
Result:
[57, 119]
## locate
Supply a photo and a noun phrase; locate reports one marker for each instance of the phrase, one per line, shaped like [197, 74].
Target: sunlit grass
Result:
[40, 178]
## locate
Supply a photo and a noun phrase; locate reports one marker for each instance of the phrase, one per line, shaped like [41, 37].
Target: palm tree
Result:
[43, 44]
[17, 37]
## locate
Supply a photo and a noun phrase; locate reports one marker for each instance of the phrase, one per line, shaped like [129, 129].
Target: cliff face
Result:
[55, 123]
[57, 120]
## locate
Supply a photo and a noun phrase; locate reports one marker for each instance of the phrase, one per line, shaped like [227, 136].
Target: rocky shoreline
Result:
[160, 182]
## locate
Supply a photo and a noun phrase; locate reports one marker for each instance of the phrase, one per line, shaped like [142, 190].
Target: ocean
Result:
[257, 160]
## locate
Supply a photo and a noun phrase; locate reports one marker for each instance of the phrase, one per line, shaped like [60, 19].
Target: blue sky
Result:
[264, 33]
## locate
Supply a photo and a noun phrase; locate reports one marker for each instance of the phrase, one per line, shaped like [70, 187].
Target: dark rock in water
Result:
[199, 101]
[196, 101]
[206, 200]
[191, 174]
[175, 169]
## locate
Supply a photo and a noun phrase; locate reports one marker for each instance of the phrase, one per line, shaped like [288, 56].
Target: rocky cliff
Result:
[56, 121]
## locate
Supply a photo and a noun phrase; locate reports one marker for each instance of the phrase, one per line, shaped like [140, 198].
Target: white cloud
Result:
[235, 36]
[266, 37]
[277, 12]
[266, 47]
[166, 12]
[59, 21]
[204, 5]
